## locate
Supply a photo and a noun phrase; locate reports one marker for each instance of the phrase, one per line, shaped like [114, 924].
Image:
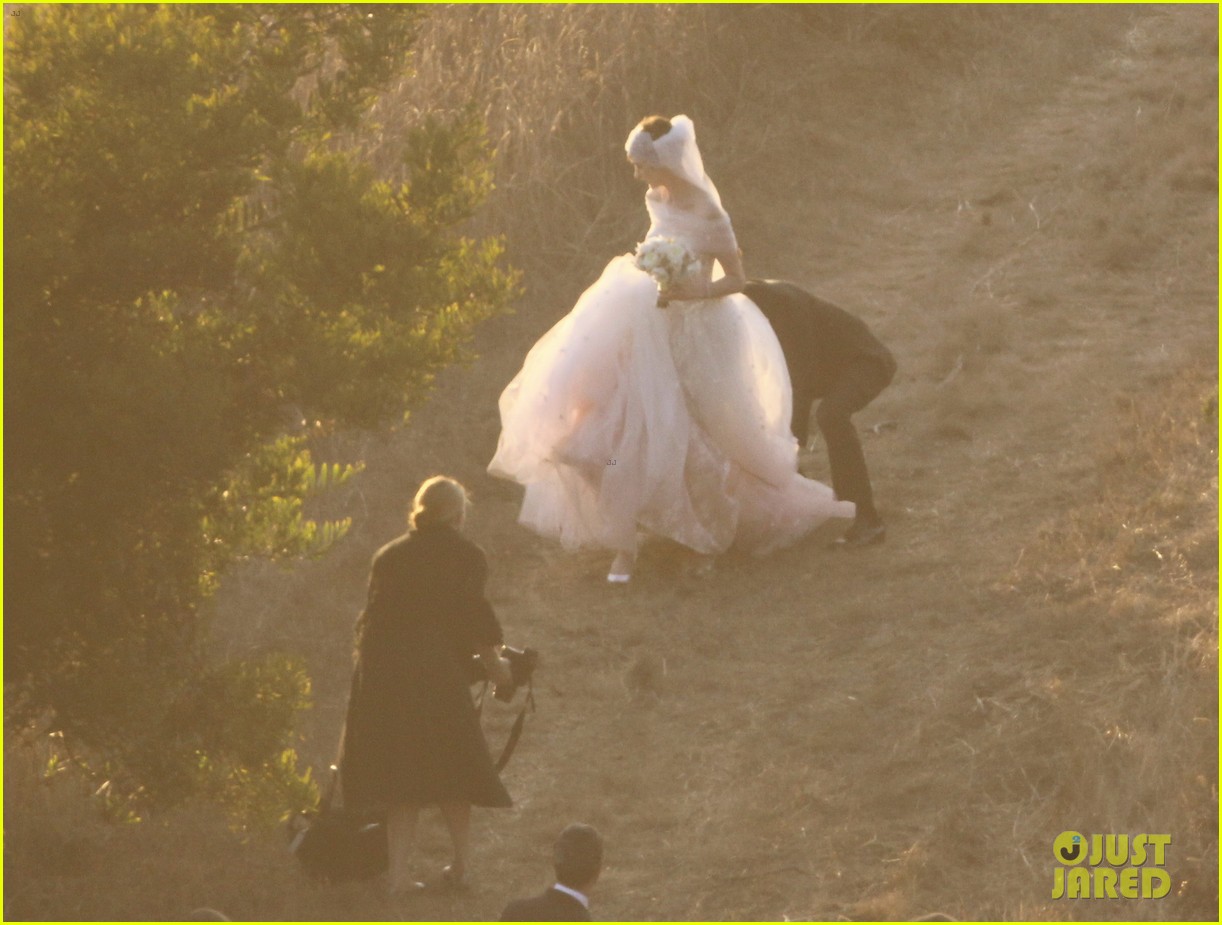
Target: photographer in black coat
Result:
[832, 356]
[412, 737]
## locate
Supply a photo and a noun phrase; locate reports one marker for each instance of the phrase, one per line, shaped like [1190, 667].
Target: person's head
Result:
[440, 501]
[643, 154]
[579, 857]
[663, 153]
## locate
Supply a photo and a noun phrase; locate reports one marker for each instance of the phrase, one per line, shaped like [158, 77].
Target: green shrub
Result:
[194, 267]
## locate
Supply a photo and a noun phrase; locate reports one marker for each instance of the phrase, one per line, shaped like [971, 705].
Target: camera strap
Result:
[515, 733]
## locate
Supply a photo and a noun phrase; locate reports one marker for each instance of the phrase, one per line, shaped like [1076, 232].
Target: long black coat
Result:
[412, 734]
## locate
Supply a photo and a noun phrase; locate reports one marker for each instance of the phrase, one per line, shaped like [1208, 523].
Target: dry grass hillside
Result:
[1022, 202]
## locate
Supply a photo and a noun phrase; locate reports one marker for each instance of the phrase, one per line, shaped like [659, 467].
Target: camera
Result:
[522, 664]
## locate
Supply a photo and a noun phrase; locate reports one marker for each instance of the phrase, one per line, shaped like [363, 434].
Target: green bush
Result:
[193, 260]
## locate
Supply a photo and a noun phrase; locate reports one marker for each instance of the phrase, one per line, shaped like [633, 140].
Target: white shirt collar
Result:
[580, 897]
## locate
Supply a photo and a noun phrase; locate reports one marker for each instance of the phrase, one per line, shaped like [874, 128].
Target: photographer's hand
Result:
[498, 668]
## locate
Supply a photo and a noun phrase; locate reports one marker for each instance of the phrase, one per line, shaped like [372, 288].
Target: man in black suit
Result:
[579, 861]
[831, 355]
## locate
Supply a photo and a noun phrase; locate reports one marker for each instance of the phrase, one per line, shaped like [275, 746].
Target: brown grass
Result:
[559, 92]
[1120, 687]
[813, 735]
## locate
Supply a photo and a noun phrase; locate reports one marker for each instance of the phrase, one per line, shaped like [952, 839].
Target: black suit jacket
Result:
[549, 906]
[820, 340]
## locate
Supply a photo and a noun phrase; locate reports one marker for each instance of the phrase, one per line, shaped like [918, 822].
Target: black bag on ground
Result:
[335, 845]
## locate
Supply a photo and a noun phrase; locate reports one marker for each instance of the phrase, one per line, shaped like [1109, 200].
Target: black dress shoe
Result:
[862, 534]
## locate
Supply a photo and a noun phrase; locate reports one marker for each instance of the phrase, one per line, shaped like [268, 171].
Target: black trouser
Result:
[853, 390]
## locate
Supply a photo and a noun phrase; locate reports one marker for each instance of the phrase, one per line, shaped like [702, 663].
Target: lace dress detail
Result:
[626, 416]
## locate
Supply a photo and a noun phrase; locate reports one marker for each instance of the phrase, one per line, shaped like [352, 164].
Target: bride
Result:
[663, 411]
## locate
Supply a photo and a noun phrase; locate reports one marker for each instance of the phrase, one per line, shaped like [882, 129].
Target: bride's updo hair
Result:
[671, 145]
[440, 500]
[643, 143]
[656, 126]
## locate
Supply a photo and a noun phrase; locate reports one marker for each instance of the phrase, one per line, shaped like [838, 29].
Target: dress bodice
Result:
[705, 229]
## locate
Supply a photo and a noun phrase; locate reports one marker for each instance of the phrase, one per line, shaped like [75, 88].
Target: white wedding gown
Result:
[626, 416]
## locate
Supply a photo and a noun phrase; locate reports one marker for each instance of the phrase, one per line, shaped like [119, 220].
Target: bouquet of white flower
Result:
[665, 259]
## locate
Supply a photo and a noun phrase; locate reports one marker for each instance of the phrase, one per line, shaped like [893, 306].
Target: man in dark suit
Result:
[831, 355]
[579, 861]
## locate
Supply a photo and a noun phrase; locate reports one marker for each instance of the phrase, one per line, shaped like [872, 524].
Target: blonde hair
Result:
[440, 500]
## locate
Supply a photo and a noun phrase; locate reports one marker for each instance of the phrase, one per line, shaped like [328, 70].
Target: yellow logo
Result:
[1069, 848]
[1112, 866]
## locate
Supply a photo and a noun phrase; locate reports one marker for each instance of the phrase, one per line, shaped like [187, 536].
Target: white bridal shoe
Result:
[621, 568]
